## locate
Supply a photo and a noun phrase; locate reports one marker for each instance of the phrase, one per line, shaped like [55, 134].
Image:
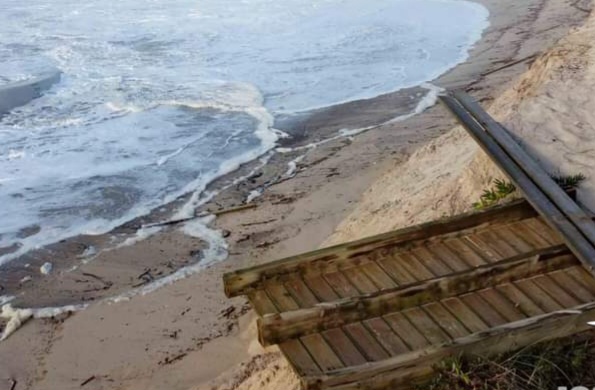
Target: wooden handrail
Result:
[575, 239]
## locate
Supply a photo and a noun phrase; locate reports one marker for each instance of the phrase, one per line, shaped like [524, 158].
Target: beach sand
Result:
[187, 335]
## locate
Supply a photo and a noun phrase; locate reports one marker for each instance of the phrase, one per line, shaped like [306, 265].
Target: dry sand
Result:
[187, 335]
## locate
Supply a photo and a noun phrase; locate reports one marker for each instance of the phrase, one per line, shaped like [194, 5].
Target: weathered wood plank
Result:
[365, 342]
[281, 297]
[520, 300]
[406, 331]
[582, 277]
[341, 285]
[413, 266]
[380, 278]
[360, 281]
[386, 336]
[390, 373]
[540, 227]
[343, 347]
[523, 228]
[537, 295]
[300, 292]
[239, 282]
[320, 351]
[297, 355]
[462, 248]
[483, 309]
[432, 262]
[422, 321]
[498, 244]
[517, 242]
[396, 271]
[261, 302]
[448, 257]
[554, 291]
[446, 320]
[278, 327]
[566, 282]
[321, 289]
[466, 316]
[501, 304]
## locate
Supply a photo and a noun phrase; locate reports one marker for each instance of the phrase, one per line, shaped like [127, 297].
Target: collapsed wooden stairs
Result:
[379, 313]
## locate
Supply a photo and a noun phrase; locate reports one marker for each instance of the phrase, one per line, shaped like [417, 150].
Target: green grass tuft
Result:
[539, 367]
[500, 190]
[569, 182]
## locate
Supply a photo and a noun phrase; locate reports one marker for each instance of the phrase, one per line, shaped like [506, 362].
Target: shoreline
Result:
[292, 216]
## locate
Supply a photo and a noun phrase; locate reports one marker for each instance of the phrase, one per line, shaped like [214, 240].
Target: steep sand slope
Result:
[551, 109]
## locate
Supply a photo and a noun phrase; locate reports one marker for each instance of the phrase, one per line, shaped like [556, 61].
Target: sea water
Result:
[160, 97]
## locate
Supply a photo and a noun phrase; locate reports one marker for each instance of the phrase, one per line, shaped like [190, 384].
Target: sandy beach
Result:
[187, 334]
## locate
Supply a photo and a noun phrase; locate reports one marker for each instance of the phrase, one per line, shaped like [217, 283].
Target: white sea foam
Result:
[17, 317]
[5, 299]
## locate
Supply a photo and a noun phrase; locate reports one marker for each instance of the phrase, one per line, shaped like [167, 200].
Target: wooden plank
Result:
[301, 293]
[341, 285]
[261, 302]
[336, 338]
[466, 316]
[481, 248]
[465, 252]
[359, 279]
[484, 310]
[447, 256]
[520, 300]
[394, 269]
[321, 289]
[582, 277]
[430, 329]
[446, 320]
[365, 342]
[390, 373]
[542, 179]
[518, 243]
[406, 331]
[541, 228]
[556, 292]
[275, 328]
[240, 281]
[501, 304]
[377, 275]
[567, 282]
[537, 295]
[386, 336]
[522, 228]
[343, 347]
[281, 297]
[413, 266]
[498, 244]
[320, 351]
[299, 358]
[581, 247]
[433, 263]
